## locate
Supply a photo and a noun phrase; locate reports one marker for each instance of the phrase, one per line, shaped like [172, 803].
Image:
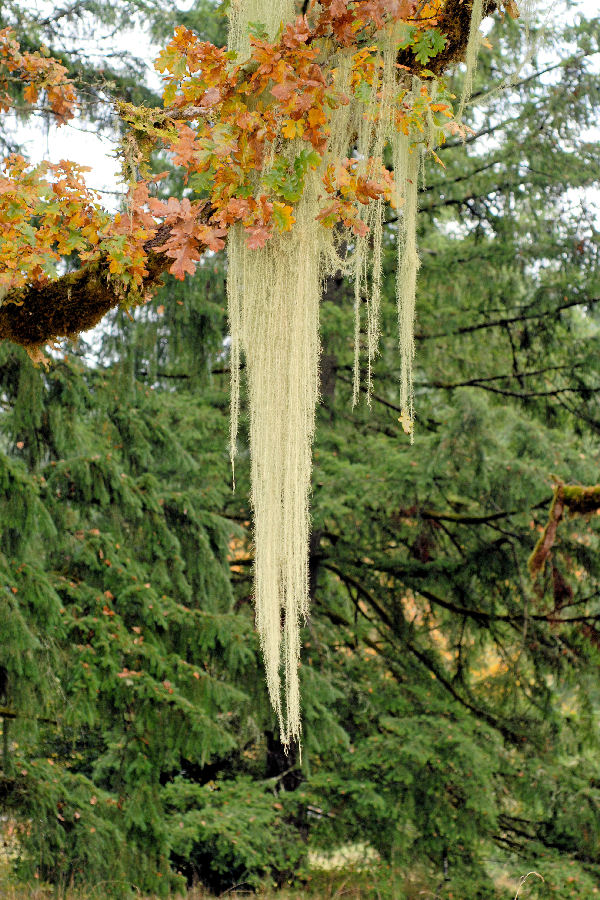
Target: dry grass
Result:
[341, 889]
[346, 884]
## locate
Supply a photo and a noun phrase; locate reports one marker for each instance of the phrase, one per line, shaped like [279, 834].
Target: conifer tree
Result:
[443, 694]
[485, 694]
[283, 136]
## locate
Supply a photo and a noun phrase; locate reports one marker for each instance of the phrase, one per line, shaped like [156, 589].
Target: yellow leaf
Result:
[289, 129]
[406, 422]
[282, 215]
[316, 116]
[292, 128]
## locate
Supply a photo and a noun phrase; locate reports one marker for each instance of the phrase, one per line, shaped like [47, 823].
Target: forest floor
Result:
[353, 875]
[349, 886]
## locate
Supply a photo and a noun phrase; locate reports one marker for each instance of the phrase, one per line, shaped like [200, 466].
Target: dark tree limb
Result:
[39, 314]
[6, 713]
[509, 320]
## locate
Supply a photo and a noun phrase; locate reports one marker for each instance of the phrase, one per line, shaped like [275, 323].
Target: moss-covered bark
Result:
[576, 500]
[454, 22]
[74, 303]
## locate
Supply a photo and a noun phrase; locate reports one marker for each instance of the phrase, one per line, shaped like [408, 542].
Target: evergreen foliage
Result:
[125, 628]
[451, 715]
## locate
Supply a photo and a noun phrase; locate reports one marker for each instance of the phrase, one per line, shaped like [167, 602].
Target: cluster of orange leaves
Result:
[220, 119]
[37, 72]
[346, 188]
[282, 93]
[48, 213]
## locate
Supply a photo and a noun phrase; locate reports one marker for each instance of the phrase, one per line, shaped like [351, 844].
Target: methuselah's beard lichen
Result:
[273, 302]
[274, 298]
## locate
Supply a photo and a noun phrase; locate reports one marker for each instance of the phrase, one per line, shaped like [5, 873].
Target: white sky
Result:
[77, 140]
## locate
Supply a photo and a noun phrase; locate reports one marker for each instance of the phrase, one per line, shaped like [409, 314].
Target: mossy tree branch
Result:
[574, 499]
[39, 314]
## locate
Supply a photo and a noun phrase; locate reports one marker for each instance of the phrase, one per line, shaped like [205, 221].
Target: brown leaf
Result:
[210, 97]
[258, 236]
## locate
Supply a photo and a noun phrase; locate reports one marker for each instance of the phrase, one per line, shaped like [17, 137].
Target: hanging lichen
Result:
[406, 169]
[273, 299]
[472, 54]
[257, 15]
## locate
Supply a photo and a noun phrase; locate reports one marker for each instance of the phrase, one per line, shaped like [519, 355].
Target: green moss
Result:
[580, 500]
[74, 303]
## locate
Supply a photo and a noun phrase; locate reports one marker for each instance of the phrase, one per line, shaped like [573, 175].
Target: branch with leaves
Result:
[220, 116]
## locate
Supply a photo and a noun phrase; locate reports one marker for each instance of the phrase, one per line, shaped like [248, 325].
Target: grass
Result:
[342, 884]
[373, 880]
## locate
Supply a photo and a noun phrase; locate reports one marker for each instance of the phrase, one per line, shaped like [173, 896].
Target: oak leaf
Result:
[212, 237]
[258, 235]
[291, 128]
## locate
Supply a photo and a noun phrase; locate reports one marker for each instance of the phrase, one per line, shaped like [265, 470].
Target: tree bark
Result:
[39, 314]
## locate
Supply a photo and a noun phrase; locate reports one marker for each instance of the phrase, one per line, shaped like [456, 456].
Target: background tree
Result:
[451, 713]
[287, 127]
